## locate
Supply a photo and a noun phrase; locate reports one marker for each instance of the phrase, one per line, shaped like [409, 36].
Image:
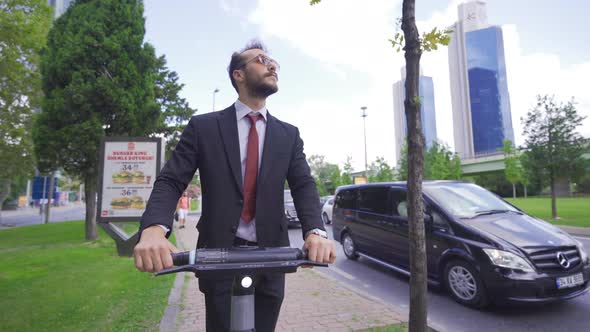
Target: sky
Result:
[335, 58]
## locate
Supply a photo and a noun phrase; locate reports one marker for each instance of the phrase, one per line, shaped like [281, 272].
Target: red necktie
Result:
[249, 209]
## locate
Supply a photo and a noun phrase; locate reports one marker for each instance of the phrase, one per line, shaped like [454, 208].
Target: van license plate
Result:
[570, 281]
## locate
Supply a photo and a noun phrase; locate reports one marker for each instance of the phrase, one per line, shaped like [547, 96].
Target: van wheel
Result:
[465, 284]
[349, 247]
[325, 218]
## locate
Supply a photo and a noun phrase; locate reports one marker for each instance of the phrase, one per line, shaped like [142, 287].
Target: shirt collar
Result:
[242, 110]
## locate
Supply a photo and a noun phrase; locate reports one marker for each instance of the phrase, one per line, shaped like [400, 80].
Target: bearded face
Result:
[261, 84]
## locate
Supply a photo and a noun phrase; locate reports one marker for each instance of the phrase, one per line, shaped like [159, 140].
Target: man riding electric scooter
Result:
[244, 156]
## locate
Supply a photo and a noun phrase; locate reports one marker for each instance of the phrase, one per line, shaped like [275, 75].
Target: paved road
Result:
[27, 217]
[444, 313]
[447, 315]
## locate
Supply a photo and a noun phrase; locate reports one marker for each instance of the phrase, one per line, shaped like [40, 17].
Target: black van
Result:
[480, 247]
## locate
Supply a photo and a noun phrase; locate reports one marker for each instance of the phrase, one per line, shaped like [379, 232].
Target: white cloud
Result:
[230, 6]
[344, 32]
[533, 74]
[350, 36]
[345, 36]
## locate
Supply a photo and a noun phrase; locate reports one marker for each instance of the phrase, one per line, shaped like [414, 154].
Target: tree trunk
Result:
[90, 192]
[553, 196]
[525, 195]
[513, 190]
[4, 192]
[49, 197]
[415, 171]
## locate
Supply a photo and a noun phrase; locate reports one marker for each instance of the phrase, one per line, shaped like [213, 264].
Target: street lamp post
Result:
[214, 92]
[364, 116]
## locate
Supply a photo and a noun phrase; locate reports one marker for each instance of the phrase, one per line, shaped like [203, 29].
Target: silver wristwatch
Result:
[317, 231]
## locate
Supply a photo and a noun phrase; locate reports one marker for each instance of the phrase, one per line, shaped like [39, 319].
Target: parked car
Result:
[327, 209]
[480, 247]
[290, 212]
[323, 199]
[10, 205]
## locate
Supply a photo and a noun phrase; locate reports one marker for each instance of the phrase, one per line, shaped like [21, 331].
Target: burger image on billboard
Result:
[121, 203]
[122, 177]
[137, 177]
[137, 202]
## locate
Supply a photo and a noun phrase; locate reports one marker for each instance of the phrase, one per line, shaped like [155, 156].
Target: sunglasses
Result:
[263, 60]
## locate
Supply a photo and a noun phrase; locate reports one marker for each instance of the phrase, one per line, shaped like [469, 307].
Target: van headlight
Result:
[583, 254]
[508, 260]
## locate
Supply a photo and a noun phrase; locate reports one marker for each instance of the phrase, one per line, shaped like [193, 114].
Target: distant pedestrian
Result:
[183, 205]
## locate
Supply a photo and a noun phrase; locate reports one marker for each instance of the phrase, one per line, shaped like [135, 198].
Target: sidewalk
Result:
[313, 301]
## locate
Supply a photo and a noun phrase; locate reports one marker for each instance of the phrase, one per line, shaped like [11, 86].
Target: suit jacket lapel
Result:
[228, 126]
[270, 143]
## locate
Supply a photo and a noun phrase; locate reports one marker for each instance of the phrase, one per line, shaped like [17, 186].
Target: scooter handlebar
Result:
[181, 258]
[234, 260]
[236, 255]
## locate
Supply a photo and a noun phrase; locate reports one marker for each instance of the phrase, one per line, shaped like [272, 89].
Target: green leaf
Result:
[23, 33]
[100, 79]
[435, 37]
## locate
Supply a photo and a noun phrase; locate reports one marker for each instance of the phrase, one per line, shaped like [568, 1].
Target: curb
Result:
[168, 322]
[583, 231]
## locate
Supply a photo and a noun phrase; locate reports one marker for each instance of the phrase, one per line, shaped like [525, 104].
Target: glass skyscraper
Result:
[479, 89]
[59, 6]
[427, 111]
[488, 90]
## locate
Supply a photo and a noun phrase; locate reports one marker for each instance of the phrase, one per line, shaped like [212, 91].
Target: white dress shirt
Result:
[247, 231]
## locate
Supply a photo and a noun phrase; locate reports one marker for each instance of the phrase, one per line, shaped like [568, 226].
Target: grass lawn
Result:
[194, 204]
[572, 211]
[52, 280]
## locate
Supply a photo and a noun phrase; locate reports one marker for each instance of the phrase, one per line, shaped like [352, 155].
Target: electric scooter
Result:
[243, 263]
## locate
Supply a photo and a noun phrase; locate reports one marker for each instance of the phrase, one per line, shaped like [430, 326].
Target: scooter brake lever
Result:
[176, 269]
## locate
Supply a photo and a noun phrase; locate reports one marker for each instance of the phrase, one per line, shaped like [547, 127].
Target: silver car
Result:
[327, 210]
[290, 212]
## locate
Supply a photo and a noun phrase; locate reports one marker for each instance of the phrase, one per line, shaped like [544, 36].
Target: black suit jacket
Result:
[210, 143]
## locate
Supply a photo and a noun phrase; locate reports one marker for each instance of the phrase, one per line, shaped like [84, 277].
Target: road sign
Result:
[359, 179]
[41, 187]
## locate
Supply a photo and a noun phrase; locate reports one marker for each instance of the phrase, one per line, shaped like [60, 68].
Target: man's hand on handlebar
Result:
[319, 249]
[152, 253]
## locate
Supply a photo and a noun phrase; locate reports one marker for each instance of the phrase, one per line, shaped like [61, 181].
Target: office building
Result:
[479, 88]
[59, 6]
[427, 111]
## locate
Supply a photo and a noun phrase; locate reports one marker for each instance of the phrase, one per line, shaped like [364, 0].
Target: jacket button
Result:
[234, 229]
[241, 202]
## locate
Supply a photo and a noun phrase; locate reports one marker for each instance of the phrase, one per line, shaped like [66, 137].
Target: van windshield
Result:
[466, 200]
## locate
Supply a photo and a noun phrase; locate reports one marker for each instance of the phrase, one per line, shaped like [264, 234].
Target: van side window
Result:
[346, 199]
[399, 203]
[374, 200]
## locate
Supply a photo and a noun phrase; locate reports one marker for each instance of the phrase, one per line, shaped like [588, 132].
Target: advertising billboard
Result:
[128, 168]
